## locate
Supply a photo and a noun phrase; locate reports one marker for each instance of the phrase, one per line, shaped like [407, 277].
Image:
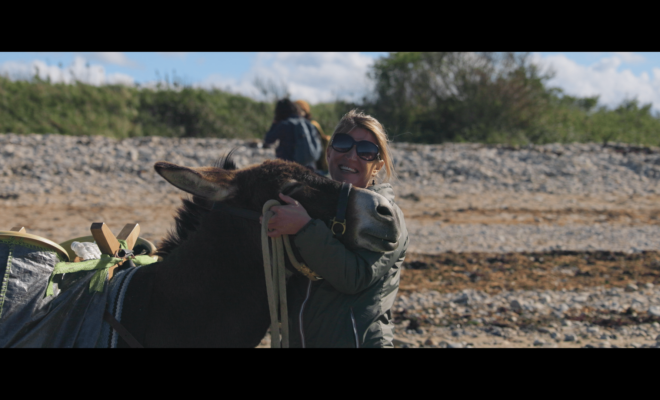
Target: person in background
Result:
[322, 163]
[282, 129]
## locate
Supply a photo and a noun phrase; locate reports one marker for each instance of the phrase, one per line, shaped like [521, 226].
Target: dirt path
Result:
[59, 218]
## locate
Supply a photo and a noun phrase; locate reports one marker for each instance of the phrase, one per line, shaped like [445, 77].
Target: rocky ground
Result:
[548, 299]
[509, 246]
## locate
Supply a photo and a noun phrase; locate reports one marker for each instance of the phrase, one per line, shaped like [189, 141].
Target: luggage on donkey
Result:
[47, 301]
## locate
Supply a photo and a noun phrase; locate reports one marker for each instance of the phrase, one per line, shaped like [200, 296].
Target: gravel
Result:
[36, 169]
[436, 169]
[485, 319]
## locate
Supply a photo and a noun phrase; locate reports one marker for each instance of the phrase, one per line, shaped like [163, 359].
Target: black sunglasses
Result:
[366, 150]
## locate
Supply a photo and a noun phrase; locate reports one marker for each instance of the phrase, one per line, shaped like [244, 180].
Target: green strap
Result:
[102, 265]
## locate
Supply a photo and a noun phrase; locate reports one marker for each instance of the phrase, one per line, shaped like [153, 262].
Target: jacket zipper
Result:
[357, 343]
[300, 316]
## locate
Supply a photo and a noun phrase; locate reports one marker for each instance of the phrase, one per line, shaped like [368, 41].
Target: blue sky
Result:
[322, 76]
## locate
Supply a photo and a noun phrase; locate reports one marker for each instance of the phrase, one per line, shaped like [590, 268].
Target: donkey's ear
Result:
[208, 182]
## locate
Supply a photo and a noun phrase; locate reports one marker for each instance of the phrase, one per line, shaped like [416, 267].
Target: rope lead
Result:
[275, 271]
[275, 280]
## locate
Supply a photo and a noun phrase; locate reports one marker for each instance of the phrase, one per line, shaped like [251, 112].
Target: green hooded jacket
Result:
[350, 306]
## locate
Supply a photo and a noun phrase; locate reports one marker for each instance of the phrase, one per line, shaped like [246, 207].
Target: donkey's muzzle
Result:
[375, 223]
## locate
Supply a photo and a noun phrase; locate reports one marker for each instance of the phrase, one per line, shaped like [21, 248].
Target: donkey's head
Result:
[371, 221]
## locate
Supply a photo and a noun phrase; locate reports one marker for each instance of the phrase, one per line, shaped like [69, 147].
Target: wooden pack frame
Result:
[108, 243]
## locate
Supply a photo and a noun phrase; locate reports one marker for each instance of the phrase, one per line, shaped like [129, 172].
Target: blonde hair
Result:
[357, 119]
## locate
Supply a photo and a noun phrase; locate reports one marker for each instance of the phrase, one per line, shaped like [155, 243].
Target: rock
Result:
[430, 342]
[654, 311]
[631, 287]
[398, 342]
[516, 305]
[566, 323]
[569, 337]
[462, 298]
[496, 331]
[545, 299]
[418, 265]
[455, 345]
[648, 285]
[538, 342]
[657, 338]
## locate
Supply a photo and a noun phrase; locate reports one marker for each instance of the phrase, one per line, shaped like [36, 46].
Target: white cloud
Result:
[79, 70]
[632, 58]
[315, 77]
[605, 78]
[120, 79]
[113, 57]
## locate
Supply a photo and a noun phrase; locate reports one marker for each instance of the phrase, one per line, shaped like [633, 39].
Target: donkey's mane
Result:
[188, 215]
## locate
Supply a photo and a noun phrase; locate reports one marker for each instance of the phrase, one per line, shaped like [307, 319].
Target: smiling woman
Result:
[350, 306]
[365, 132]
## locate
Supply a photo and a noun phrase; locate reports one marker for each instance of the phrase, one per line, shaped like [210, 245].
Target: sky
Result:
[319, 77]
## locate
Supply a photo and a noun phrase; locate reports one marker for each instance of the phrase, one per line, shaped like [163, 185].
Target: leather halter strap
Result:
[338, 226]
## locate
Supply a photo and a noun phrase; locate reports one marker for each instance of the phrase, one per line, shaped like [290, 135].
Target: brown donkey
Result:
[210, 290]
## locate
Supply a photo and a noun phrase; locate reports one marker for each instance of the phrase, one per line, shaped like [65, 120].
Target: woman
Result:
[350, 307]
[321, 164]
[287, 115]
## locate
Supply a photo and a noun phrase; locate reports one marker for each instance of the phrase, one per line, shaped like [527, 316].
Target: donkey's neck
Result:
[208, 292]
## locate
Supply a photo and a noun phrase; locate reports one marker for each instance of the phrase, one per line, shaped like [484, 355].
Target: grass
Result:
[39, 106]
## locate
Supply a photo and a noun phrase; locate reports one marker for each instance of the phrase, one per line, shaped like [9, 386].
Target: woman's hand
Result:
[288, 219]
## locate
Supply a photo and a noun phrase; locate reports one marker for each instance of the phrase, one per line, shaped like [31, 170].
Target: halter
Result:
[338, 226]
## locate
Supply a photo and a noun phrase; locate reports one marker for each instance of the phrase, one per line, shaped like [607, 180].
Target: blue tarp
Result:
[71, 317]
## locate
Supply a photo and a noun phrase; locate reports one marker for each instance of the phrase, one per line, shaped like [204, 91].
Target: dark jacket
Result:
[350, 307]
[284, 132]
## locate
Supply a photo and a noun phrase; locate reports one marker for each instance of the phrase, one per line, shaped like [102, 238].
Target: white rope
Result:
[274, 270]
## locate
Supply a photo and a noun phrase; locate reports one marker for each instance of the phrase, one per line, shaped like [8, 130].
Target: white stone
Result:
[654, 311]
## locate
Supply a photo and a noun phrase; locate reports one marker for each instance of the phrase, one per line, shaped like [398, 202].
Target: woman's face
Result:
[348, 167]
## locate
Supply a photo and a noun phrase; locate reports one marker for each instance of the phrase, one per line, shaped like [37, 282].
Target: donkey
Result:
[209, 290]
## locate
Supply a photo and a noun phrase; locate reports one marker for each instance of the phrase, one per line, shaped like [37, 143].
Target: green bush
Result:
[419, 97]
[493, 98]
[118, 111]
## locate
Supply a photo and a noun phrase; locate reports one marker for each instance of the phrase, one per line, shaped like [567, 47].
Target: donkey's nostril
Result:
[382, 210]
